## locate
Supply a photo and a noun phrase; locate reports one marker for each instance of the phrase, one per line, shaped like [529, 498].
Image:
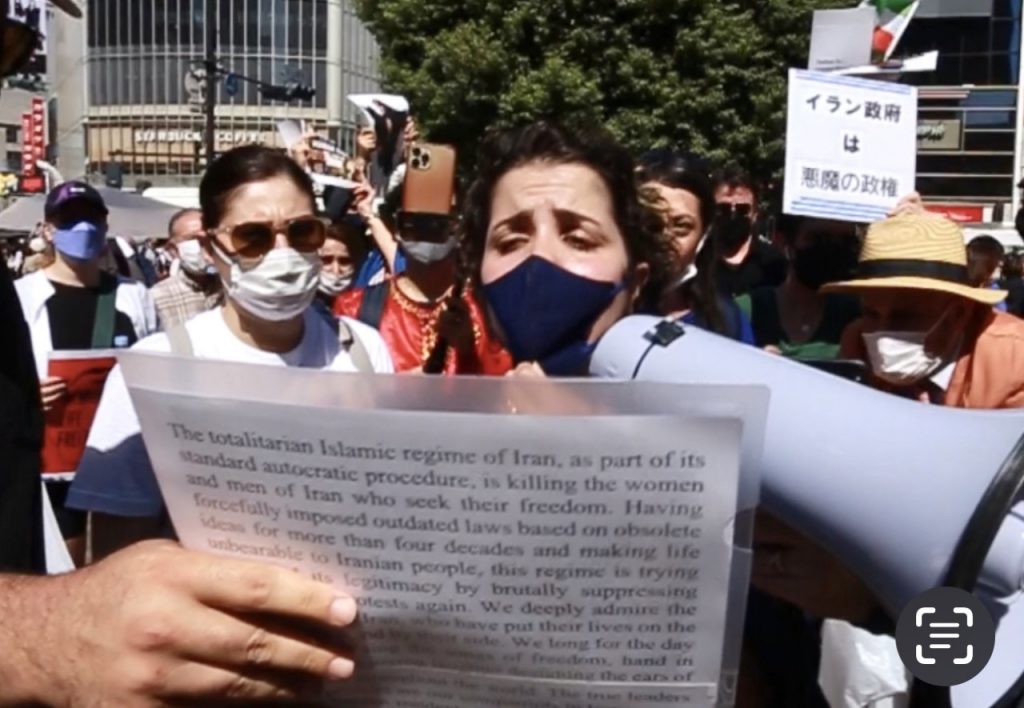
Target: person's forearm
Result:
[29, 649]
[385, 241]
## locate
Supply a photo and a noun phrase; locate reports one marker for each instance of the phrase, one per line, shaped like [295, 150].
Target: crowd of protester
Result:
[559, 235]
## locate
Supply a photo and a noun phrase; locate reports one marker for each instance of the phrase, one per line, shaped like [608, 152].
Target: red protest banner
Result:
[68, 422]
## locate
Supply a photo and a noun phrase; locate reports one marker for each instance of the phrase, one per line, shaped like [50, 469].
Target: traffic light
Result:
[301, 92]
[289, 93]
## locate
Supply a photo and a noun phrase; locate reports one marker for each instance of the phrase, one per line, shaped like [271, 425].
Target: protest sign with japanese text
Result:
[851, 146]
[514, 543]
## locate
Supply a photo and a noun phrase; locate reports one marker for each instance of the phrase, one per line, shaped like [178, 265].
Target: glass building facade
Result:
[144, 96]
[969, 129]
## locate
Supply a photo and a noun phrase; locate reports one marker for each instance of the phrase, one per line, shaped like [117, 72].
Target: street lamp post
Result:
[211, 80]
[214, 71]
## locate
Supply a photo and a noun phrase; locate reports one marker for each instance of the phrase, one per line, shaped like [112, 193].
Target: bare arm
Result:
[155, 624]
[382, 237]
[24, 612]
[385, 241]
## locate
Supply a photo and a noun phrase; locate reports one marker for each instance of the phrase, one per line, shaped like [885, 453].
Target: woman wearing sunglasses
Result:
[264, 239]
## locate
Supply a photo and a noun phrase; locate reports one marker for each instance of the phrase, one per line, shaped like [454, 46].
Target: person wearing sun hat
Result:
[925, 331]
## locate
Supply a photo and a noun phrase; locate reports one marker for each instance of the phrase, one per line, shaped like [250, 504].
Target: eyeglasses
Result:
[732, 210]
[254, 239]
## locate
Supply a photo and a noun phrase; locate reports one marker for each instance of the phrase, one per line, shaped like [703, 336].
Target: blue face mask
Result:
[83, 241]
[546, 313]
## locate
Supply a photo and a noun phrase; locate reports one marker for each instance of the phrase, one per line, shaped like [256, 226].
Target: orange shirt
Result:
[989, 373]
[410, 331]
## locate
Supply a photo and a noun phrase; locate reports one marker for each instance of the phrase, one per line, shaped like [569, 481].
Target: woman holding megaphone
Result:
[562, 248]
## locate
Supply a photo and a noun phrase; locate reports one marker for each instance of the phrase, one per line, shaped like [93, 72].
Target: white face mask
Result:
[691, 271]
[278, 287]
[190, 255]
[426, 252]
[332, 285]
[900, 358]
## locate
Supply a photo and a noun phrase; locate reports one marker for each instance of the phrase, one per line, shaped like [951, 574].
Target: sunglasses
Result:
[729, 210]
[343, 261]
[254, 239]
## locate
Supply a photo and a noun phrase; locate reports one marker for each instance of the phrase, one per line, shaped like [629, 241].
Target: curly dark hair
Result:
[678, 170]
[505, 150]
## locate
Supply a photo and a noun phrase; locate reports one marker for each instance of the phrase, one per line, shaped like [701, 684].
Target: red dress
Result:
[410, 331]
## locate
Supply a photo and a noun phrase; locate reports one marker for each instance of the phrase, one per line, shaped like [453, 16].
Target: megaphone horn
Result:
[910, 496]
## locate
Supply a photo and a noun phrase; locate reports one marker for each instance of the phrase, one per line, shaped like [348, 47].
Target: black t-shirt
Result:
[764, 266]
[1015, 299]
[21, 439]
[72, 312]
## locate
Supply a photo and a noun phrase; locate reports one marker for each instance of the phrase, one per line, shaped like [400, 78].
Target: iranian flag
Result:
[893, 18]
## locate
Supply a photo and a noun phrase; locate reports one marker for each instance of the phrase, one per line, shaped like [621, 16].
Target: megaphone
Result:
[910, 496]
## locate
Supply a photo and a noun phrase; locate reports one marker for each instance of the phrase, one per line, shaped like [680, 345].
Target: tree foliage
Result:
[703, 75]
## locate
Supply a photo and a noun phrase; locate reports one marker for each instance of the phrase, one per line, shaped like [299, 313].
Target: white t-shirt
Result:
[115, 475]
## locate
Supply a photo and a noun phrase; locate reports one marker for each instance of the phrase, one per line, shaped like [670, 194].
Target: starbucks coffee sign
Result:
[224, 137]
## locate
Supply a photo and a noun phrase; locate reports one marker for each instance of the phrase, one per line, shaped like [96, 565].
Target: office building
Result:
[131, 91]
[969, 133]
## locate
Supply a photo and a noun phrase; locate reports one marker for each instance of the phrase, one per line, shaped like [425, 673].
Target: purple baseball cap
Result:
[67, 192]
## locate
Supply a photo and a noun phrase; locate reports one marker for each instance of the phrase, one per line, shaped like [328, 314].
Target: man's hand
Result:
[156, 624]
[791, 567]
[51, 390]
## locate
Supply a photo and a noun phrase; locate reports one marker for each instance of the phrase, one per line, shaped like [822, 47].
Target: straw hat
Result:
[917, 252]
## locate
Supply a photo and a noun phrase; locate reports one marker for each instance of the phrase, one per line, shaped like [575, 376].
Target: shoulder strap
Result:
[181, 342]
[351, 342]
[103, 323]
[371, 309]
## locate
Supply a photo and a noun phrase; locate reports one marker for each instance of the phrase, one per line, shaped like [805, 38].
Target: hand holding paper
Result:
[51, 390]
[71, 395]
[197, 628]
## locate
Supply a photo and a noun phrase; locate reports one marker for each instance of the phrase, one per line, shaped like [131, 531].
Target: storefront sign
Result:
[231, 137]
[946, 134]
[960, 213]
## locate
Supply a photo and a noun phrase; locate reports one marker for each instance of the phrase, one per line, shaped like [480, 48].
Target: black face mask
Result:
[824, 262]
[732, 230]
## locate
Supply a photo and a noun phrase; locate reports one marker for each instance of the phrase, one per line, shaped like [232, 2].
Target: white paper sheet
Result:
[578, 552]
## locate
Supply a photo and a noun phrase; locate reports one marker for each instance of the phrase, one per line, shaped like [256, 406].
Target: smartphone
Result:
[429, 186]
